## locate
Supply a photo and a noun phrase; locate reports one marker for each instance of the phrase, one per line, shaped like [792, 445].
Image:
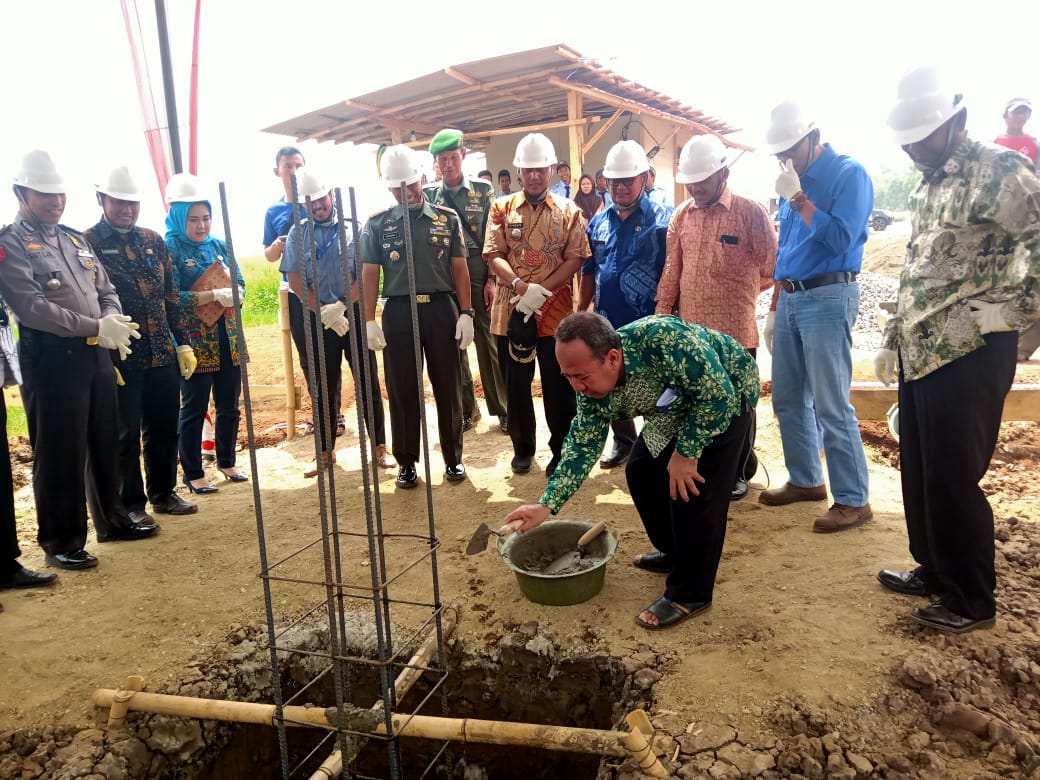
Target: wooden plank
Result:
[575, 137]
[599, 133]
[872, 401]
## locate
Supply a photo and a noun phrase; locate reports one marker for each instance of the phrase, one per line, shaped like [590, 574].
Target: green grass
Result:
[16, 424]
[262, 280]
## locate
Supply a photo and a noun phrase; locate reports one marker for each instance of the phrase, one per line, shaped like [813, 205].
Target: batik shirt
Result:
[976, 236]
[686, 381]
[139, 266]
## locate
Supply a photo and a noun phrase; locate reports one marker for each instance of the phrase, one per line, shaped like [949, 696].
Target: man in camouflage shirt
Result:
[969, 284]
[695, 389]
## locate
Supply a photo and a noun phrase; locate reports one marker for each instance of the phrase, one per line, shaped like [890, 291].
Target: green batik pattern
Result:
[976, 236]
[710, 373]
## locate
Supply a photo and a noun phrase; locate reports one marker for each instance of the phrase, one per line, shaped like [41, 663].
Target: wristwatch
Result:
[512, 284]
[467, 311]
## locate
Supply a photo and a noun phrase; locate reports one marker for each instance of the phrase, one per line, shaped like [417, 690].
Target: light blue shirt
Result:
[331, 285]
[559, 188]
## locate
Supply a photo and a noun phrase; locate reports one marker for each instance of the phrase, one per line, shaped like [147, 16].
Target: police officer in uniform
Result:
[137, 262]
[69, 318]
[442, 287]
[471, 200]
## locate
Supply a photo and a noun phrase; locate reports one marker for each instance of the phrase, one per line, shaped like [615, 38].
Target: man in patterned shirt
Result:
[535, 243]
[971, 280]
[721, 255]
[695, 388]
[628, 249]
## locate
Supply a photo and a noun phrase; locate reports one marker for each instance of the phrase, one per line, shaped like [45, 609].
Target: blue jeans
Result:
[812, 366]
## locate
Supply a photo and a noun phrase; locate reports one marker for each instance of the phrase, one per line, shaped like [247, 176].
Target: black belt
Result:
[838, 277]
[421, 297]
[45, 339]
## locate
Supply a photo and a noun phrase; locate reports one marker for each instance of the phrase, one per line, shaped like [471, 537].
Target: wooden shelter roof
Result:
[520, 92]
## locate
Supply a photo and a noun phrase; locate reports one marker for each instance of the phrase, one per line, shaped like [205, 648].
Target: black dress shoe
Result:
[521, 464]
[909, 583]
[739, 490]
[73, 561]
[25, 578]
[503, 423]
[406, 477]
[174, 505]
[467, 422]
[940, 618]
[617, 457]
[140, 517]
[455, 473]
[205, 490]
[130, 534]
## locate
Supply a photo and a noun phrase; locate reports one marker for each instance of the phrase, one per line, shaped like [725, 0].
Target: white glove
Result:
[223, 296]
[464, 331]
[115, 332]
[989, 317]
[787, 183]
[374, 334]
[532, 300]
[885, 362]
[186, 360]
[330, 313]
[340, 327]
[767, 334]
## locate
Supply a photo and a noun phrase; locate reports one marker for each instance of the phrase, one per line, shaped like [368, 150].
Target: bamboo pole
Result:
[490, 732]
[287, 362]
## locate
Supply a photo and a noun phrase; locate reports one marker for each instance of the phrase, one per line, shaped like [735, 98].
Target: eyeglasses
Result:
[626, 182]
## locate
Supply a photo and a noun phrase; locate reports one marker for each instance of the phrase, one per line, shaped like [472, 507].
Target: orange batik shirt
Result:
[535, 240]
[718, 260]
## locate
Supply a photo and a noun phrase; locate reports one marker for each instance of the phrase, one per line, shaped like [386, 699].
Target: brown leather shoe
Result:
[383, 458]
[789, 494]
[840, 518]
[314, 468]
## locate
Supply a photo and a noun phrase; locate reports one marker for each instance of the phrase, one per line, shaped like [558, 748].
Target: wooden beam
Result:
[534, 128]
[599, 133]
[641, 108]
[873, 400]
[575, 137]
[458, 76]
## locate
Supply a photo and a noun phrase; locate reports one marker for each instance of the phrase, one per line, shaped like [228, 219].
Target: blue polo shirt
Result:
[331, 286]
[627, 259]
[843, 194]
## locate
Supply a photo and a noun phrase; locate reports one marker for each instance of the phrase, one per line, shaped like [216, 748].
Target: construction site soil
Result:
[805, 667]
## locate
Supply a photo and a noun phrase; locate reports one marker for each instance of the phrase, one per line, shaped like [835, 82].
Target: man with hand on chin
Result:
[695, 389]
[970, 282]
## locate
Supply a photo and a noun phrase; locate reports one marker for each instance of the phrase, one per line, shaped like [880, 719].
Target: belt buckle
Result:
[92, 341]
[422, 298]
[789, 285]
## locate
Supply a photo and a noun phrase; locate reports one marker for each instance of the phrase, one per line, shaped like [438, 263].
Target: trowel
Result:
[480, 537]
[569, 559]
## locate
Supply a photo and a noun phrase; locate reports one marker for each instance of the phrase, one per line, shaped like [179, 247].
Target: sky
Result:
[71, 88]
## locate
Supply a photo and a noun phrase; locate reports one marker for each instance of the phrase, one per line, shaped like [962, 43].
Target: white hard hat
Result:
[120, 184]
[308, 185]
[534, 151]
[787, 126]
[184, 188]
[399, 163]
[38, 172]
[625, 158]
[893, 420]
[923, 104]
[702, 156]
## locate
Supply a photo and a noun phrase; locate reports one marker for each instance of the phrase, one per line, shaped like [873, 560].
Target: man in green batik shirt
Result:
[694, 388]
[971, 281]
[471, 200]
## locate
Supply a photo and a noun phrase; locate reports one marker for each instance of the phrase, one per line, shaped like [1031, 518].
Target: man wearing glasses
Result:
[826, 200]
[628, 242]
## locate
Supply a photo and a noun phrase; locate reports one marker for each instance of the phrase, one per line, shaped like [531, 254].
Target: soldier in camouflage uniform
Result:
[969, 284]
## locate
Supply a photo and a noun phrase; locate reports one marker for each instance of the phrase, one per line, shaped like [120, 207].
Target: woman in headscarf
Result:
[213, 328]
[587, 199]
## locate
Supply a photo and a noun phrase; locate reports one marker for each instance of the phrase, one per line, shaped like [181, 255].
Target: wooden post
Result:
[287, 362]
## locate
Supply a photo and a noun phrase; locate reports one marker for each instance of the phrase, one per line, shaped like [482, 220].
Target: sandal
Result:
[313, 469]
[657, 562]
[671, 613]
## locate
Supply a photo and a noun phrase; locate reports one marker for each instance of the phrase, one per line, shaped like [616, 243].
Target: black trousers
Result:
[226, 386]
[69, 389]
[327, 397]
[9, 551]
[690, 532]
[441, 352]
[949, 421]
[558, 399]
[148, 408]
[624, 433]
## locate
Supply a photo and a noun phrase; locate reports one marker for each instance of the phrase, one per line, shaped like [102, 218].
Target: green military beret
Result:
[445, 141]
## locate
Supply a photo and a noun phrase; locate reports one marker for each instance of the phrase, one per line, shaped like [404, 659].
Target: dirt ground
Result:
[800, 631]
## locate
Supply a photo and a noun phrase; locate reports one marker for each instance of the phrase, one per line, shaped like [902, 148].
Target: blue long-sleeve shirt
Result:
[843, 194]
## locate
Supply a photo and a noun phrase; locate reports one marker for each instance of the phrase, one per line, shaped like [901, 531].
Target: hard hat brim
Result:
[786, 143]
[911, 135]
[131, 196]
